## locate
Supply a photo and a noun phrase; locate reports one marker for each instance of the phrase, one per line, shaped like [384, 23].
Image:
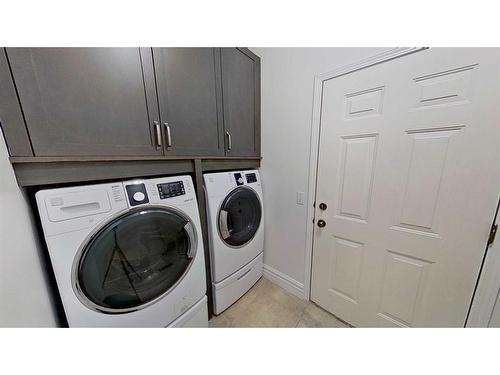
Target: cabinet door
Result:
[87, 101]
[187, 80]
[11, 117]
[241, 98]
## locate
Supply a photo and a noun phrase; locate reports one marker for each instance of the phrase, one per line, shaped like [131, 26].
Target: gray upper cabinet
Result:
[130, 103]
[11, 117]
[87, 101]
[241, 101]
[188, 83]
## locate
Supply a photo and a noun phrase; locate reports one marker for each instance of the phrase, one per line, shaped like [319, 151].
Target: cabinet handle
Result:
[158, 134]
[169, 135]
[229, 142]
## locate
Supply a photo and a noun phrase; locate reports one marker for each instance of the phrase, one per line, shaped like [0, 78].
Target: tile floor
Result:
[268, 305]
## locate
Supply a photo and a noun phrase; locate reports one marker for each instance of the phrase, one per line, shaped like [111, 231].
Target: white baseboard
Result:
[284, 281]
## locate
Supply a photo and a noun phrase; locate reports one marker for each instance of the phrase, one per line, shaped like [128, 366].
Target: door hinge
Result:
[493, 233]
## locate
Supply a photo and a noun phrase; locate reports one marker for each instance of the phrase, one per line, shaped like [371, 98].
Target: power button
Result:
[139, 196]
[136, 193]
[238, 178]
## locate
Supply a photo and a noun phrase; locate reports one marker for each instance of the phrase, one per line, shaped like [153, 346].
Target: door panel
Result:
[345, 268]
[240, 91]
[404, 279]
[429, 151]
[357, 164]
[86, 101]
[408, 167]
[187, 94]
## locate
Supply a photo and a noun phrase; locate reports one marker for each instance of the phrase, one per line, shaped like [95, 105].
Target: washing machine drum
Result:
[134, 260]
[239, 216]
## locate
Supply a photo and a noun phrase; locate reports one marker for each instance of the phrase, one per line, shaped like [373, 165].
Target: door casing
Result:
[487, 293]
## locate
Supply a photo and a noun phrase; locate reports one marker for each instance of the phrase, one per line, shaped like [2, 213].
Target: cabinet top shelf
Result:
[35, 172]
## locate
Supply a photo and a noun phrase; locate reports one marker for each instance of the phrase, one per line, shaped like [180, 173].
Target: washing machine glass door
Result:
[239, 216]
[134, 260]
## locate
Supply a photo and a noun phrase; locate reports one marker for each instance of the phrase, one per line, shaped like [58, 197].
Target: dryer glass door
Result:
[135, 259]
[239, 216]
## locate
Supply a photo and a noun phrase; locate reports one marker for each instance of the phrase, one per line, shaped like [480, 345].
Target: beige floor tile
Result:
[221, 321]
[315, 317]
[265, 305]
[268, 305]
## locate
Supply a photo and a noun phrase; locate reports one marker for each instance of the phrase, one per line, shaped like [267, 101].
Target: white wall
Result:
[287, 94]
[25, 300]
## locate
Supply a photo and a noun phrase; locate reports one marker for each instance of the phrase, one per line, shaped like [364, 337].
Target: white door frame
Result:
[314, 141]
[486, 295]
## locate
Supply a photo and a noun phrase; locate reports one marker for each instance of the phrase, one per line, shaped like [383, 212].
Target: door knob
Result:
[323, 206]
[321, 223]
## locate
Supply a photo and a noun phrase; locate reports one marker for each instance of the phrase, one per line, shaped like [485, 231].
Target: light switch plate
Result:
[301, 197]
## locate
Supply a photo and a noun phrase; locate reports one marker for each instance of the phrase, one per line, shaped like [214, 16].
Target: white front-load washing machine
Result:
[127, 254]
[236, 233]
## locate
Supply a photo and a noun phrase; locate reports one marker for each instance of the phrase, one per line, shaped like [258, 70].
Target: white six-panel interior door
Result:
[408, 167]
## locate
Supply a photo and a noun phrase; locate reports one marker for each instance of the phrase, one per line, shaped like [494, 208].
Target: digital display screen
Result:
[171, 189]
[251, 177]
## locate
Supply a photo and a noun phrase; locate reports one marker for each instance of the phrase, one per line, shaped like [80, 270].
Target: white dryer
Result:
[236, 233]
[127, 254]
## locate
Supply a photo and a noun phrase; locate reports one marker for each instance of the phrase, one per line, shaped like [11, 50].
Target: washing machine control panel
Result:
[171, 189]
[242, 177]
[137, 194]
